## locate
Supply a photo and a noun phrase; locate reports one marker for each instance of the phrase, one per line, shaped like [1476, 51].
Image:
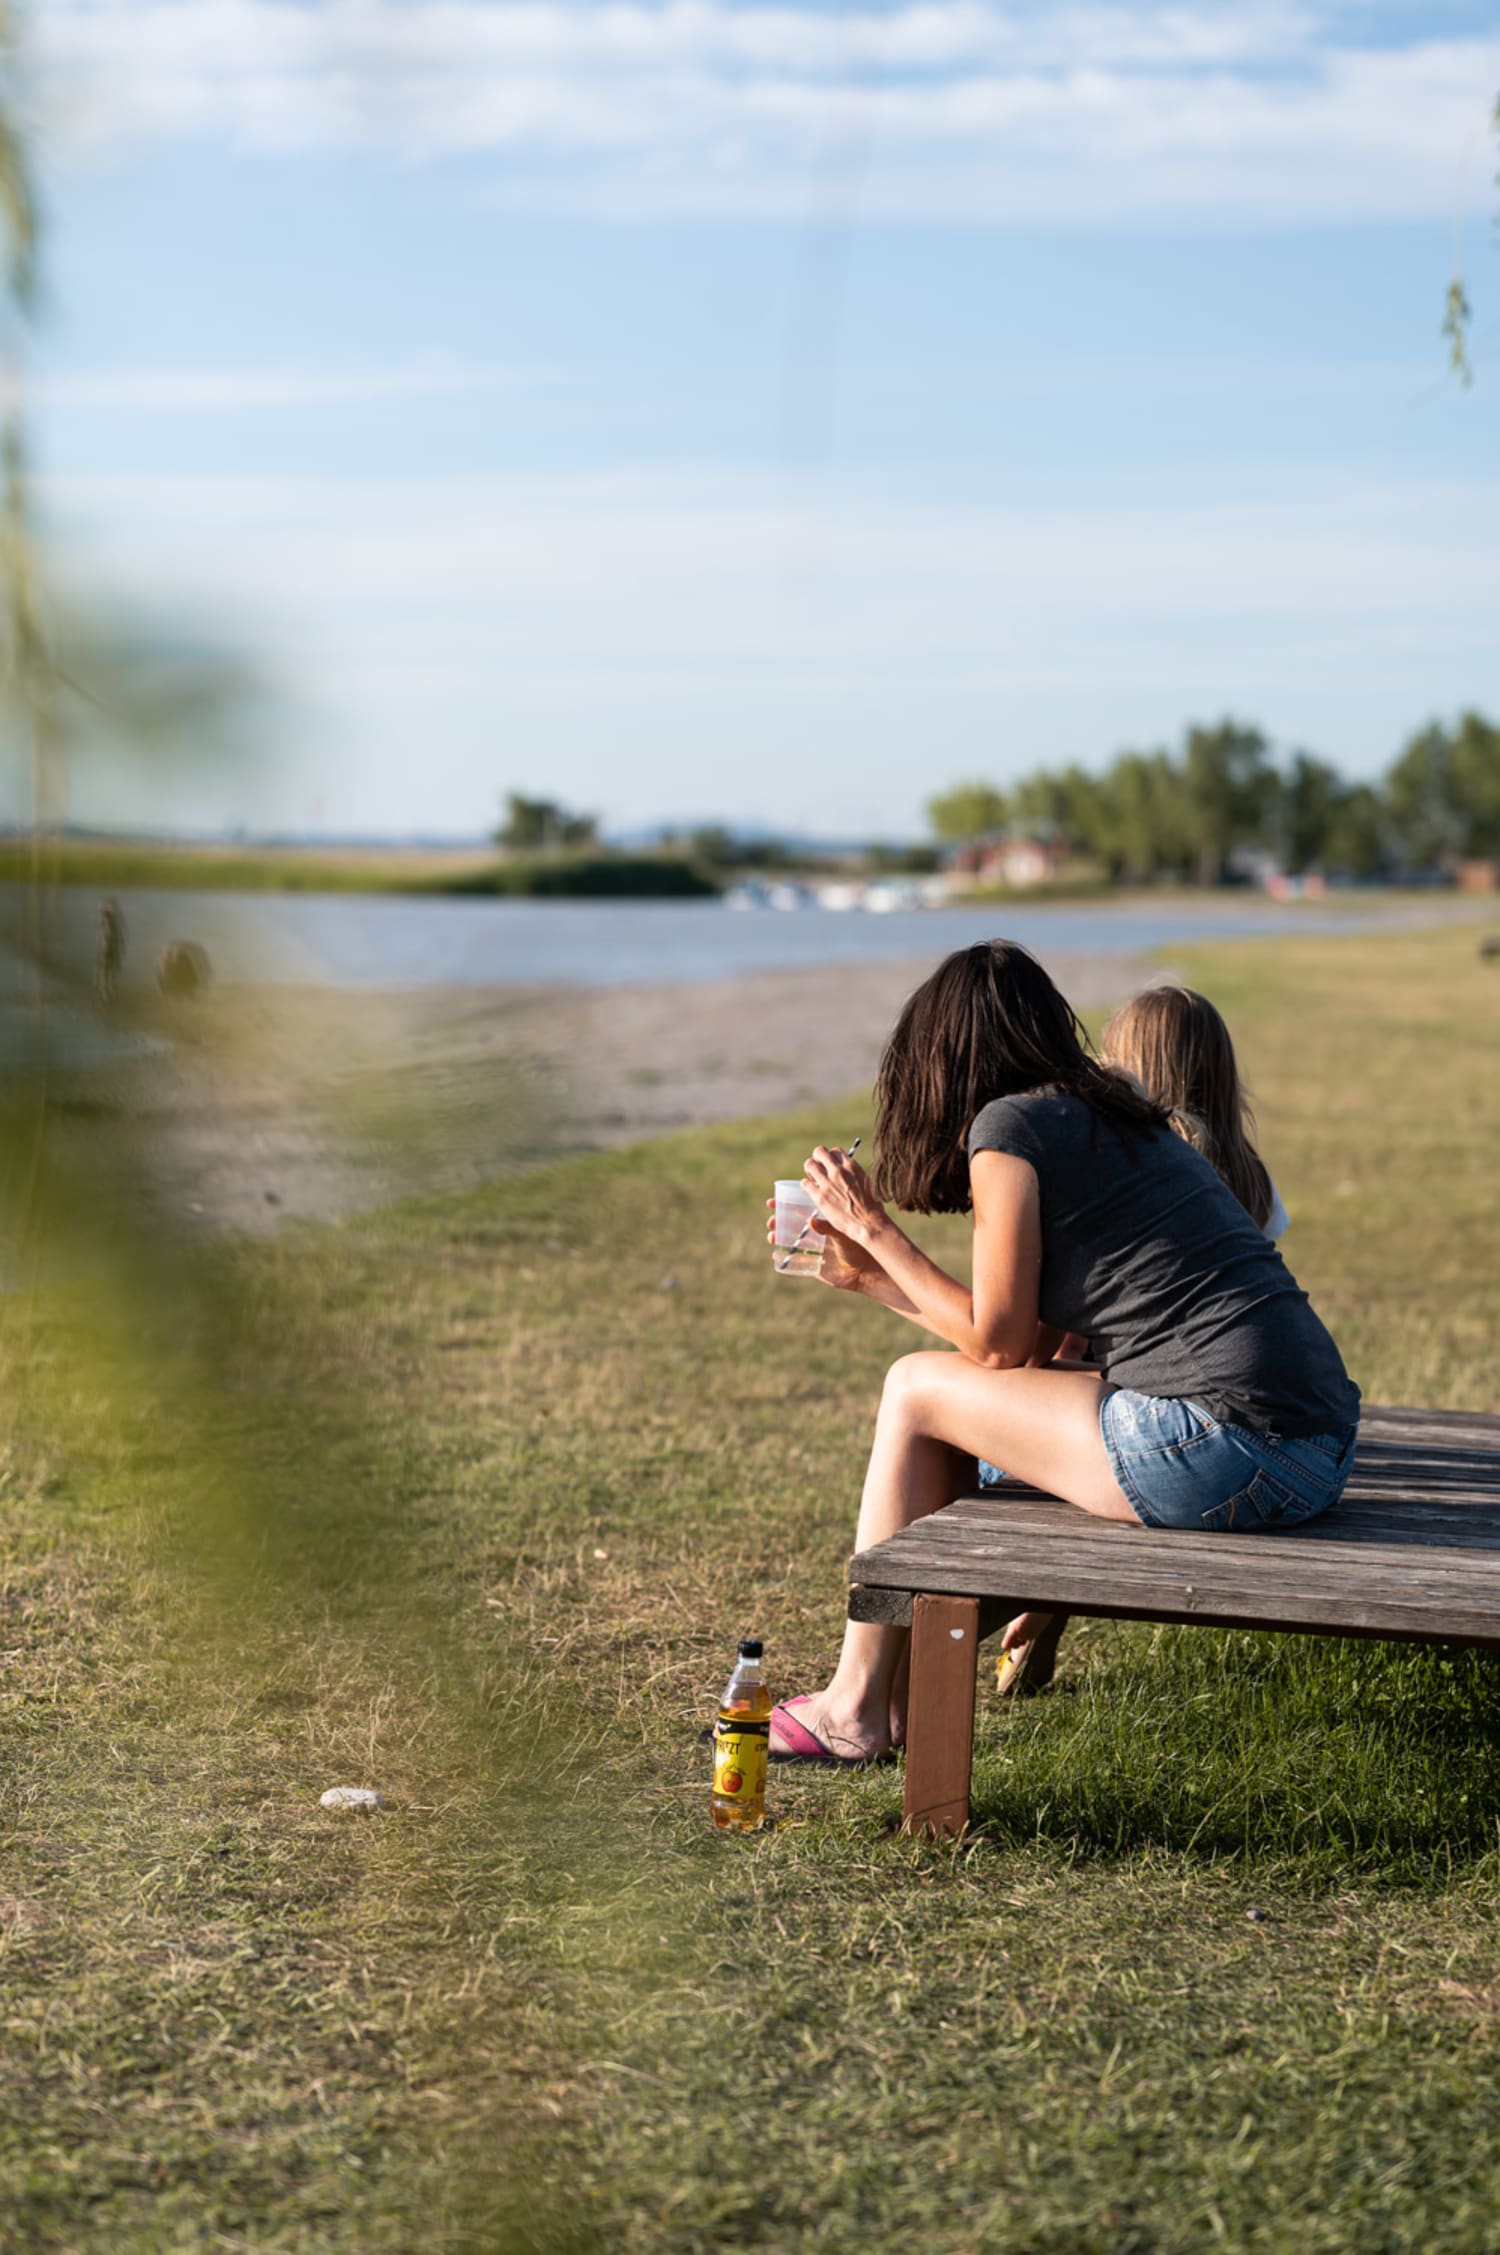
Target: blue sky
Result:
[769, 412]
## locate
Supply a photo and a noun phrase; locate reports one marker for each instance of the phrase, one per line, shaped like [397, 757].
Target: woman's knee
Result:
[910, 1383]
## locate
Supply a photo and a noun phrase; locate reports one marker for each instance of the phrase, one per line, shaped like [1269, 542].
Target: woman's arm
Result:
[994, 1321]
[849, 1268]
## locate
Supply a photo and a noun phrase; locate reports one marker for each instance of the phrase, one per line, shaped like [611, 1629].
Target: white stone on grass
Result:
[360, 1800]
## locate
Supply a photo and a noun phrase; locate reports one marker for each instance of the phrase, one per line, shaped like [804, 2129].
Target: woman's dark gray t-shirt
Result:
[1149, 1254]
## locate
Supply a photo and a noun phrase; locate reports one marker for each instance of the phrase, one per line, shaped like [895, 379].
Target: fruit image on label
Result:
[740, 1762]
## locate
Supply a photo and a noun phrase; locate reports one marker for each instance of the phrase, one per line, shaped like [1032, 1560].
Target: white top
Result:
[1278, 1219]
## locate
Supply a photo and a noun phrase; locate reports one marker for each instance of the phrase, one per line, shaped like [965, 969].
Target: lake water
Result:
[374, 940]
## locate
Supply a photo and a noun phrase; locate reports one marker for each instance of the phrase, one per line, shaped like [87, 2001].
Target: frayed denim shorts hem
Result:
[1181, 1467]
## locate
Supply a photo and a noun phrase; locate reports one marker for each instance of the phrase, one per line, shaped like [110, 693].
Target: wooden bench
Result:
[1411, 1551]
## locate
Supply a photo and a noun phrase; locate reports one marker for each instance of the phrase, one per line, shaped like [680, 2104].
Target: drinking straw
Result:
[807, 1225]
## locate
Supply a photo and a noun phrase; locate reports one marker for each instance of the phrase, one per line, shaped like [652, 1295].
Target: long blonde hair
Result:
[1177, 1046]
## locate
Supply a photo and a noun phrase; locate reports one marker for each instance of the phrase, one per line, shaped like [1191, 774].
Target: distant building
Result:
[1478, 876]
[1311, 885]
[1011, 861]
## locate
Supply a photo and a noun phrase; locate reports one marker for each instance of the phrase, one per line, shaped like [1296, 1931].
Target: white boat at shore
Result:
[756, 893]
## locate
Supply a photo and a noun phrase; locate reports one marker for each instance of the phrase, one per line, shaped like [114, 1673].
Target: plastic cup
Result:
[795, 1250]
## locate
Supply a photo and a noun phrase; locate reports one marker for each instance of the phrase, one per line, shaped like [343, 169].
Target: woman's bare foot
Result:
[900, 1695]
[853, 1736]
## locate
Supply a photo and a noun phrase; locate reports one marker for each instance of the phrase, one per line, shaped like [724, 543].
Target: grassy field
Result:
[110, 865]
[470, 1501]
[107, 865]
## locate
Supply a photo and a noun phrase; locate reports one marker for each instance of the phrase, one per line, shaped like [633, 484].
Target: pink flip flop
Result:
[803, 1745]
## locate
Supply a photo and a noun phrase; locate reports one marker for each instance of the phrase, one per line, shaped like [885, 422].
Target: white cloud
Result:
[659, 642]
[177, 389]
[961, 108]
[574, 578]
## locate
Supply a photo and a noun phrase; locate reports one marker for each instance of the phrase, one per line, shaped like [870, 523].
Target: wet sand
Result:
[270, 1105]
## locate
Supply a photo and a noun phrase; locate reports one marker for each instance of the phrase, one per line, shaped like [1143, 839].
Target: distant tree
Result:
[1357, 844]
[768, 853]
[1068, 804]
[1476, 775]
[902, 861]
[1087, 816]
[1419, 797]
[1152, 814]
[1304, 812]
[969, 810]
[534, 825]
[1443, 792]
[1144, 822]
[1229, 785]
[1039, 803]
[713, 843]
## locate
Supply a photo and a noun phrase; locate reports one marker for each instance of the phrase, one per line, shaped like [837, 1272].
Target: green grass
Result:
[116, 865]
[471, 1501]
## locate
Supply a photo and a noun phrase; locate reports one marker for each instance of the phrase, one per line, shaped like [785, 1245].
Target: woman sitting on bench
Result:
[1221, 1402]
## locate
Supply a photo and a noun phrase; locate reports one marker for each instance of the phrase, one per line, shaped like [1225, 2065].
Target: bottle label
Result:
[740, 1750]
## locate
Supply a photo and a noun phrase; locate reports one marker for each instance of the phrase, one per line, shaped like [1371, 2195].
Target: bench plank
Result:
[1478, 1428]
[1411, 1552]
[1402, 1589]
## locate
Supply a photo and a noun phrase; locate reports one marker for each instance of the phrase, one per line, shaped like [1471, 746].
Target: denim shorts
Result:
[1180, 1467]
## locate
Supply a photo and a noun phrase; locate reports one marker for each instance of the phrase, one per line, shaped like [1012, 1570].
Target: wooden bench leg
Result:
[940, 1716]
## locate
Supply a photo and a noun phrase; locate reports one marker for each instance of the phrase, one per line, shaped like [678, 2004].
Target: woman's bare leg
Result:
[900, 1688]
[937, 1412]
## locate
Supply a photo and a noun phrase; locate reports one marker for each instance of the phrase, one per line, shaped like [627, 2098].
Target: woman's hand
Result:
[845, 1195]
[845, 1265]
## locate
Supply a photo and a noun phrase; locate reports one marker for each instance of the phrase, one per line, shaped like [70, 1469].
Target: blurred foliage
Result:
[201, 1501]
[1458, 315]
[77, 677]
[129, 677]
[18, 216]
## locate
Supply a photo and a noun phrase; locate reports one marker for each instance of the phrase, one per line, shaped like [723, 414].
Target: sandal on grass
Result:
[1028, 1668]
[805, 1747]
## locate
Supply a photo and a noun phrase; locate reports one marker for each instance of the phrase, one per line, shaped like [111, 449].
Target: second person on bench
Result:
[1177, 1046]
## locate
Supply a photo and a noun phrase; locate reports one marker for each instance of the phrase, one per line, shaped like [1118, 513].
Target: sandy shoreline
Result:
[643, 1061]
[255, 1106]
[268, 1105]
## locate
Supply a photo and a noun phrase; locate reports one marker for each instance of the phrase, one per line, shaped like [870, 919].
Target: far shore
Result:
[596, 873]
[123, 865]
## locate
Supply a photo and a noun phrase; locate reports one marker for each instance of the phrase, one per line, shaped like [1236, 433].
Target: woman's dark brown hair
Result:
[1178, 1047]
[988, 1023]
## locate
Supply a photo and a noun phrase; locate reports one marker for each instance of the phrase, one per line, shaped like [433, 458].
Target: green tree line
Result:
[1185, 813]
